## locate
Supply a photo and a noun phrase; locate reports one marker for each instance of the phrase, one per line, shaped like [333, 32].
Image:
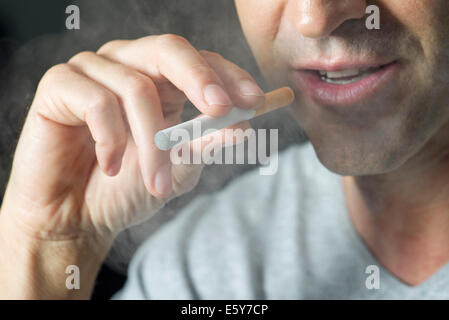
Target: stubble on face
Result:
[382, 133]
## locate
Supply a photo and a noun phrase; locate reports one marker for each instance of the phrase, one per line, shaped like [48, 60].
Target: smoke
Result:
[209, 25]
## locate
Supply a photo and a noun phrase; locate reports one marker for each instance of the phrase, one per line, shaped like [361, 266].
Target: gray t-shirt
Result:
[286, 236]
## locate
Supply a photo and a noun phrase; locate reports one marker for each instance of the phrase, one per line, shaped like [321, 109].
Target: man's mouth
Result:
[346, 76]
[345, 85]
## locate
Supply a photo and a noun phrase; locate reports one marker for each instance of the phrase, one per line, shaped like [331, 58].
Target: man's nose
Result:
[319, 18]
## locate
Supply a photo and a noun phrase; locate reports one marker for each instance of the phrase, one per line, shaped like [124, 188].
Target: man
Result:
[372, 103]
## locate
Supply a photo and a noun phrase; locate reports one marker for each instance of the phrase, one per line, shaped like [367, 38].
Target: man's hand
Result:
[86, 166]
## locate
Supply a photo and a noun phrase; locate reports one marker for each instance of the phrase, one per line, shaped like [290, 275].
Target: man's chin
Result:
[347, 161]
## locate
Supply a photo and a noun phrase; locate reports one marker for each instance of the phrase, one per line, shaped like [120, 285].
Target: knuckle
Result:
[171, 39]
[211, 55]
[241, 74]
[137, 85]
[147, 42]
[246, 75]
[100, 103]
[55, 73]
[58, 70]
[202, 71]
[84, 55]
[109, 46]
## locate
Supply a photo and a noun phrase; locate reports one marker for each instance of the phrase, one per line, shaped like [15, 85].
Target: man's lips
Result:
[344, 85]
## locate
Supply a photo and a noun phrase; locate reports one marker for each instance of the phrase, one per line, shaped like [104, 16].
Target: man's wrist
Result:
[34, 268]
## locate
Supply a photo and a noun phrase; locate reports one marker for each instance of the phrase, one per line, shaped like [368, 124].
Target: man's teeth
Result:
[340, 74]
[346, 76]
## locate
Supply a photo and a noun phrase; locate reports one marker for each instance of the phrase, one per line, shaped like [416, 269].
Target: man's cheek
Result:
[260, 22]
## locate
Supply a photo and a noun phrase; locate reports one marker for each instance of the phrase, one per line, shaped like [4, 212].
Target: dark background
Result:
[25, 20]
[33, 37]
[16, 17]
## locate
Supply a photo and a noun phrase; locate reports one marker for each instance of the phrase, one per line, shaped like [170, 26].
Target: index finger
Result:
[172, 58]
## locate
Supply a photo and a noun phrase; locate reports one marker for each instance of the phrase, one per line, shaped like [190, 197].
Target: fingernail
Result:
[249, 88]
[215, 95]
[162, 181]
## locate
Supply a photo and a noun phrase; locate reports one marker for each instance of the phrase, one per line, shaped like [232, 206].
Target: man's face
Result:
[372, 119]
